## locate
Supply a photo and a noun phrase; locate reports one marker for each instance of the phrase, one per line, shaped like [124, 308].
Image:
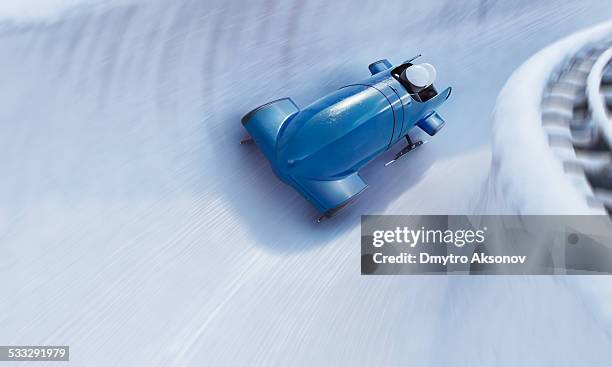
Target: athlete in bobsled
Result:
[320, 149]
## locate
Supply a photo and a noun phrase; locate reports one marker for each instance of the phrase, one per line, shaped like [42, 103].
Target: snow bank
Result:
[526, 176]
[27, 11]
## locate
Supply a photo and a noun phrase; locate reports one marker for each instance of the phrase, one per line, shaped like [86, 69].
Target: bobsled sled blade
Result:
[246, 141]
[407, 149]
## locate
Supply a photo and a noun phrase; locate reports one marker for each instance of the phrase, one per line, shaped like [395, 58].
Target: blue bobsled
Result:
[320, 149]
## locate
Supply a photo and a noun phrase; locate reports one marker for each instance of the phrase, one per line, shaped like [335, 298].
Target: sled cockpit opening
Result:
[420, 93]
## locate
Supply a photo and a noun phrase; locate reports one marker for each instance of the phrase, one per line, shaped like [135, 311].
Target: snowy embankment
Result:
[20, 12]
[526, 176]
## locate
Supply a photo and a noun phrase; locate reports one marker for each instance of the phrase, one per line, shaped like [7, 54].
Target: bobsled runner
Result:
[319, 149]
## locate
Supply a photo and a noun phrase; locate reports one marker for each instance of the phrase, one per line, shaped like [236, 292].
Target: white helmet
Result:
[421, 75]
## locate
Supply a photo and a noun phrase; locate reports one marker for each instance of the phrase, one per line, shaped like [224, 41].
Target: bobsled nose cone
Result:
[421, 75]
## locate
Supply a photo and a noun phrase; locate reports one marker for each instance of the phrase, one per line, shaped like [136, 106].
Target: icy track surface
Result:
[135, 229]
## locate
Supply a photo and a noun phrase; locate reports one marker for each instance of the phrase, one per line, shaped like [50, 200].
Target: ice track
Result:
[136, 229]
